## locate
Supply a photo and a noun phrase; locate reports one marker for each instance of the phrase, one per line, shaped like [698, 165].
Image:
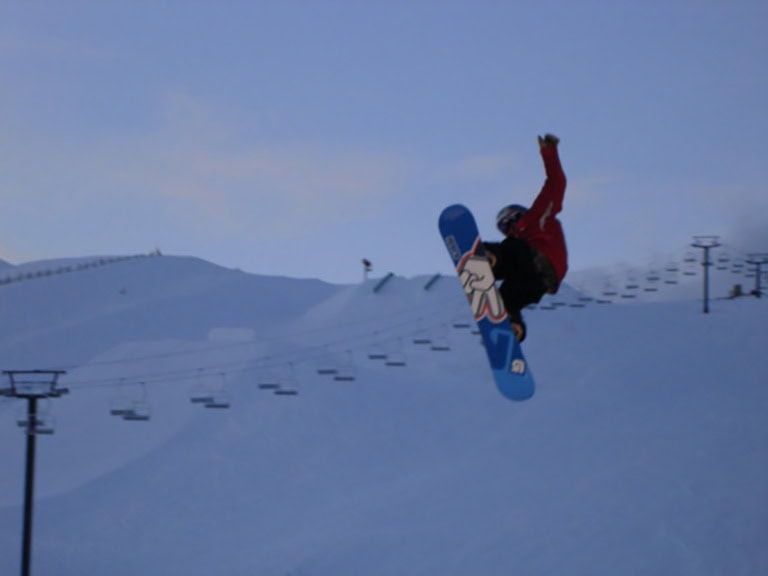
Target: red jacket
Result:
[539, 227]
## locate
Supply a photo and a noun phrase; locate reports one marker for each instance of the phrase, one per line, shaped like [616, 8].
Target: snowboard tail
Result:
[462, 239]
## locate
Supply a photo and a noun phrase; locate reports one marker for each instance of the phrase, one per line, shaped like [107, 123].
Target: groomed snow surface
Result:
[644, 450]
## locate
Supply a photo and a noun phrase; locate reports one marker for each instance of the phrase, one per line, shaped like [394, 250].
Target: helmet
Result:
[508, 217]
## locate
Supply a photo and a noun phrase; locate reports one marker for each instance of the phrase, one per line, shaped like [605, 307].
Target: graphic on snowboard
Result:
[479, 285]
[462, 239]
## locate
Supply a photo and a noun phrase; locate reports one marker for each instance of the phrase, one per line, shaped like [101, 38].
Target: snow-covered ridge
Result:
[645, 421]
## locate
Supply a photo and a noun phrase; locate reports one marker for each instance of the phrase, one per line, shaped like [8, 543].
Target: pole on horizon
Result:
[31, 385]
[706, 243]
[367, 267]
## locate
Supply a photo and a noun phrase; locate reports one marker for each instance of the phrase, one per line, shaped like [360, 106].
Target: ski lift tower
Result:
[758, 261]
[706, 243]
[32, 385]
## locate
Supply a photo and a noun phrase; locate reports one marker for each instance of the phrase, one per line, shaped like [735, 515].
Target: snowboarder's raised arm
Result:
[550, 200]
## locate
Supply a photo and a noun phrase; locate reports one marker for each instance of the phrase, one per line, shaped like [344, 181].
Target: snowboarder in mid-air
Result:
[532, 259]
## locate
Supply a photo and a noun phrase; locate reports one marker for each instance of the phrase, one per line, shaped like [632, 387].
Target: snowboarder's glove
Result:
[548, 140]
[519, 330]
[518, 324]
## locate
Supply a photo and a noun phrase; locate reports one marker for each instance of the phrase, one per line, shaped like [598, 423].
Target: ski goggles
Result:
[506, 224]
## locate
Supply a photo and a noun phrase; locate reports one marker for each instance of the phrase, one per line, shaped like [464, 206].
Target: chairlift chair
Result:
[219, 397]
[46, 428]
[395, 359]
[288, 383]
[421, 340]
[138, 410]
[122, 404]
[36, 425]
[268, 381]
[653, 279]
[200, 393]
[460, 320]
[139, 413]
[120, 407]
[201, 398]
[375, 352]
[288, 387]
[40, 422]
[219, 400]
[347, 371]
[440, 346]
[326, 367]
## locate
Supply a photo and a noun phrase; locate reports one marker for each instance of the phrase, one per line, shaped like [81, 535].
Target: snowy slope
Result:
[643, 451]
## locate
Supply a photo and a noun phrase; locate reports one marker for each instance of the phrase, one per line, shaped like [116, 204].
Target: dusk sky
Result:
[298, 137]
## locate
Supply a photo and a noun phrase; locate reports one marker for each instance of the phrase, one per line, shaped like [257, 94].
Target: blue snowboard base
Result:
[510, 369]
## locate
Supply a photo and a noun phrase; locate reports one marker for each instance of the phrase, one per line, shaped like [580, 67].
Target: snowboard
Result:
[510, 369]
